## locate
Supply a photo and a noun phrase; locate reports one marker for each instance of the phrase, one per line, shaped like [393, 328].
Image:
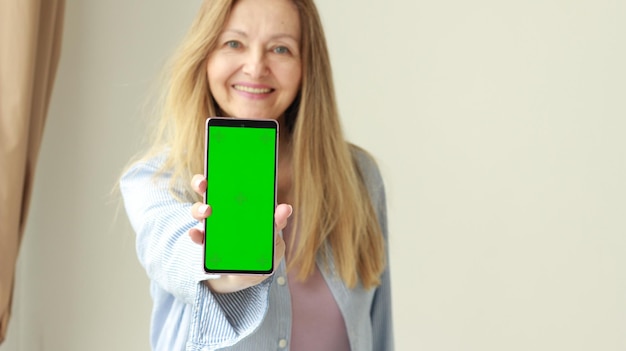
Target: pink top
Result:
[317, 322]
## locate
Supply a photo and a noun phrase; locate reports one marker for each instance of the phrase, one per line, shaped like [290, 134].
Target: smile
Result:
[252, 90]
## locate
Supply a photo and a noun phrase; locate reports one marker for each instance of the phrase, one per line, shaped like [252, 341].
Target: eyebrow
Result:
[276, 36]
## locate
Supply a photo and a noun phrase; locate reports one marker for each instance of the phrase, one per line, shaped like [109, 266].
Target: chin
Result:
[255, 115]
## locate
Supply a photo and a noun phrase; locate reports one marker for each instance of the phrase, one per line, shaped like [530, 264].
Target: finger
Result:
[283, 211]
[198, 184]
[196, 235]
[279, 250]
[200, 211]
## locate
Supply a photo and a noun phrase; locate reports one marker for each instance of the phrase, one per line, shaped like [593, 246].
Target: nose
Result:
[255, 64]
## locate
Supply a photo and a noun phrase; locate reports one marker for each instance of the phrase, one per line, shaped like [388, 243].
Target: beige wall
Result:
[79, 285]
[499, 130]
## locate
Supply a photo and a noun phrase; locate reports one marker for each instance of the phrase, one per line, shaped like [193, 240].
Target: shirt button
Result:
[282, 343]
[281, 281]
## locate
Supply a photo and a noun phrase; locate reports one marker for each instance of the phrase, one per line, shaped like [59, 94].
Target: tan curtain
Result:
[30, 43]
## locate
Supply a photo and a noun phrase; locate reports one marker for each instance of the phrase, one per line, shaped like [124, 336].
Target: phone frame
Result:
[244, 123]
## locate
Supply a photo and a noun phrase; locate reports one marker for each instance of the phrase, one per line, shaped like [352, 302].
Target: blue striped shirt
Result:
[187, 316]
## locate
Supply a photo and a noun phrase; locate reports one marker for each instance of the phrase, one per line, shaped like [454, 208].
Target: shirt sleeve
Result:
[381, 309]
[174, 262]
[381, 313]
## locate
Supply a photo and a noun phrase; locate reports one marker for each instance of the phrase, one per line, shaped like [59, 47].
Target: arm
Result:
[381, 309]
[382, 322]
[173, 261]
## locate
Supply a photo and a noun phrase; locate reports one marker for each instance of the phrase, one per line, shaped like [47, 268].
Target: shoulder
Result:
[367, 167]
[373, 181]
[145, 187]
[145, 176]
[147, 166]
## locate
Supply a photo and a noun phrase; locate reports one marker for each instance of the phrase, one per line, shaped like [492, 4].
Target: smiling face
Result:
[255, 69]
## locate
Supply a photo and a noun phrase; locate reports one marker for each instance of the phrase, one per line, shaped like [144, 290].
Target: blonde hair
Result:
[330, 198]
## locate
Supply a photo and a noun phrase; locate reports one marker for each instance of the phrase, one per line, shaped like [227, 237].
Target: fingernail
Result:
[198, 182]
[203, 208]
[290, 210]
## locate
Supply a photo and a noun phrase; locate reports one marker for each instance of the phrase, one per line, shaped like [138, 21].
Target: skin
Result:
[255, 72]
[232, 283]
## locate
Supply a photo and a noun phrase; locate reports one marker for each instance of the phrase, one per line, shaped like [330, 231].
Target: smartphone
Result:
[241, 162]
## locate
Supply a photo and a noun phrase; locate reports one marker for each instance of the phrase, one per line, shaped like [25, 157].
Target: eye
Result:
[281, 50]
[233, 44]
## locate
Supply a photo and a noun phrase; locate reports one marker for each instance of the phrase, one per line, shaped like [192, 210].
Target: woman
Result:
[263, 59]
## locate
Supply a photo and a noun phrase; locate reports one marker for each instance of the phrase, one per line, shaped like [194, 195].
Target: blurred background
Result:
[499, 128]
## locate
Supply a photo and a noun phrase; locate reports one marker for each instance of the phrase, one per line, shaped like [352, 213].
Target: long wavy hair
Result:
[330, 198]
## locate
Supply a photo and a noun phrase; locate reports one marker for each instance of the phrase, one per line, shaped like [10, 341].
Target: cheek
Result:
[292, 77]
[216, 71]
[209, 74]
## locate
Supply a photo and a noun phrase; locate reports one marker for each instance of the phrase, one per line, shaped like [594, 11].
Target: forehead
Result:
[258, 17]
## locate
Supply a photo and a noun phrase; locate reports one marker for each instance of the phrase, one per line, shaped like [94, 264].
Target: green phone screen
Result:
[241, 181]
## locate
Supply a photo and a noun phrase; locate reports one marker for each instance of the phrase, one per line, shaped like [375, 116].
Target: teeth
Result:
[252, 90]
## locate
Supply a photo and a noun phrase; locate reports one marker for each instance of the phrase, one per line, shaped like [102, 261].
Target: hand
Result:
[232, 283]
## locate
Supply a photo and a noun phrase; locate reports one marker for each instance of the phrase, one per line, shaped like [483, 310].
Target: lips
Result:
[252, 90]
